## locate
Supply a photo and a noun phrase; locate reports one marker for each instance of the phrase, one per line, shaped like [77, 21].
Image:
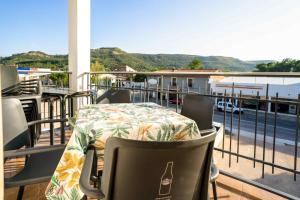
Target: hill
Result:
[37, 59]
[113, 58]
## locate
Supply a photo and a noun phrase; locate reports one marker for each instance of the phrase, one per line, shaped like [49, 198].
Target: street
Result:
[285, 128]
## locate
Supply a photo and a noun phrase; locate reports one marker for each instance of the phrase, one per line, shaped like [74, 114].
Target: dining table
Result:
[95, 123]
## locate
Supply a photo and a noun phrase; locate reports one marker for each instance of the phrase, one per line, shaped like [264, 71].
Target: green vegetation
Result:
[196, 64]
[110, 59]
[60, 79]
[37, 59]
[96, 66]
[139, 78]
[286, 65]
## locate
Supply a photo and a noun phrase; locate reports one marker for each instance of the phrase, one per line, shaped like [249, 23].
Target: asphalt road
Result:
[285, 126]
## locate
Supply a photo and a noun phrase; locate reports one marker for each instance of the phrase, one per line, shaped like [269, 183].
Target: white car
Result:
[229, 107]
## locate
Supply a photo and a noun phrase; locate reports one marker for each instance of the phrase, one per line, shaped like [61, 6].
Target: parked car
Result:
[175, 101]
[229, 107]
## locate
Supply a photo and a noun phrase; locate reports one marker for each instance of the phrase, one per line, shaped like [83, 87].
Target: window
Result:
[190, 82]
[173, 81]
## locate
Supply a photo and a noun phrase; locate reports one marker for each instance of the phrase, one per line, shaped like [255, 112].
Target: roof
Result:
[124, 68]
[187, 70]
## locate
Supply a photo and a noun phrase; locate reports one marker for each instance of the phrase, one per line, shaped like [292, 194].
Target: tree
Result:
[60, 79]
[196, 64]
[286, 65]
[97, 67]
[139, 78]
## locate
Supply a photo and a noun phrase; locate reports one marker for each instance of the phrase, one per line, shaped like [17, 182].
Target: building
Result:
[126, 68]
[174, 80]
[286, 89]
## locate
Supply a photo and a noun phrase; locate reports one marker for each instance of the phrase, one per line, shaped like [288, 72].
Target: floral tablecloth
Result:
[96, 123]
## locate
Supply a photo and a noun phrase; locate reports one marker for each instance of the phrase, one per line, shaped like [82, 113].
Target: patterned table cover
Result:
[96, 123]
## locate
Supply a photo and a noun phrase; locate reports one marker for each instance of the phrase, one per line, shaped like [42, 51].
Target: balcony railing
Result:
[266, 135]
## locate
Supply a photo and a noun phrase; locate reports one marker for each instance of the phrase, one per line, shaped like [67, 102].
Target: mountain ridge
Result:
[114, 57]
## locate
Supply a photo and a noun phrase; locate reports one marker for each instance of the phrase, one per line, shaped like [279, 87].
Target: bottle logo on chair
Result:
[166, 180]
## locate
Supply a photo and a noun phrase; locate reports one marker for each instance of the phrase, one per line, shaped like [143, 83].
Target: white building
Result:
[285, 88]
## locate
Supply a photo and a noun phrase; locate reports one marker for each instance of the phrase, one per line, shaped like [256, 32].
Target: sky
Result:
[244, 29]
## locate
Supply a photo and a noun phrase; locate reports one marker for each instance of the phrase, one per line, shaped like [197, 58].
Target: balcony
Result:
[256, 152]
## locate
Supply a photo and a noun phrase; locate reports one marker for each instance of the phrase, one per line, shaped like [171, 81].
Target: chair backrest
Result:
[157, 170]
[9, 76]
[200, 109]
[15, 128]
[114, 96]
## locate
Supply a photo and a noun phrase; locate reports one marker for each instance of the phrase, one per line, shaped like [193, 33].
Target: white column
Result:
[79, 42]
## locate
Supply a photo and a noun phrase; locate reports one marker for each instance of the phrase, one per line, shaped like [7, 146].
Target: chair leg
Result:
[20, 193]
[214, 187]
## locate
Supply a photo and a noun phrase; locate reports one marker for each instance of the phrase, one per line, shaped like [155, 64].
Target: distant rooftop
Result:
[261, 80]
[187, 70]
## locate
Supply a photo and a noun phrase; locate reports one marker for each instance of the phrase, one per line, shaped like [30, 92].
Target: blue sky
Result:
[246, 29]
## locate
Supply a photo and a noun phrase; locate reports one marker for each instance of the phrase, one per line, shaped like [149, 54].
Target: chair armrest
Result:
[84, 181]
[42, 121]
[30, 151]
[214, 172]
[207, 131]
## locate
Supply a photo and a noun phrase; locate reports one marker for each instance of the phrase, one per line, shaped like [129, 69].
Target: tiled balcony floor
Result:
[37, 191]
[228, 188]
[280, 180]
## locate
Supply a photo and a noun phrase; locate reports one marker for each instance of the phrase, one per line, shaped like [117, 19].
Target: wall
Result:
[200, 84]
[284, 91]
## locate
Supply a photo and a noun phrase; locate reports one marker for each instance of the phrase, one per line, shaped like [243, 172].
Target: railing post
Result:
[239, 126]
[133, 96]
[231, 123]
[256, 124]
[296, 138]
[145, 90]
[62, 116]
[168, 96]
[177, 98]
[224, 123]
[51, 118]
[156, 97]
[161, 90]
[265, 130]
[274, 133]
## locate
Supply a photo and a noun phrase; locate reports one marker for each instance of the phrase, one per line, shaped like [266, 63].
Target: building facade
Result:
[285, 89]
[199, 83]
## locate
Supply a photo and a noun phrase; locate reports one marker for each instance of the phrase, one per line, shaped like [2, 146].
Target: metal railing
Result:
[172, 96]
[165, 94]
[57, 101]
